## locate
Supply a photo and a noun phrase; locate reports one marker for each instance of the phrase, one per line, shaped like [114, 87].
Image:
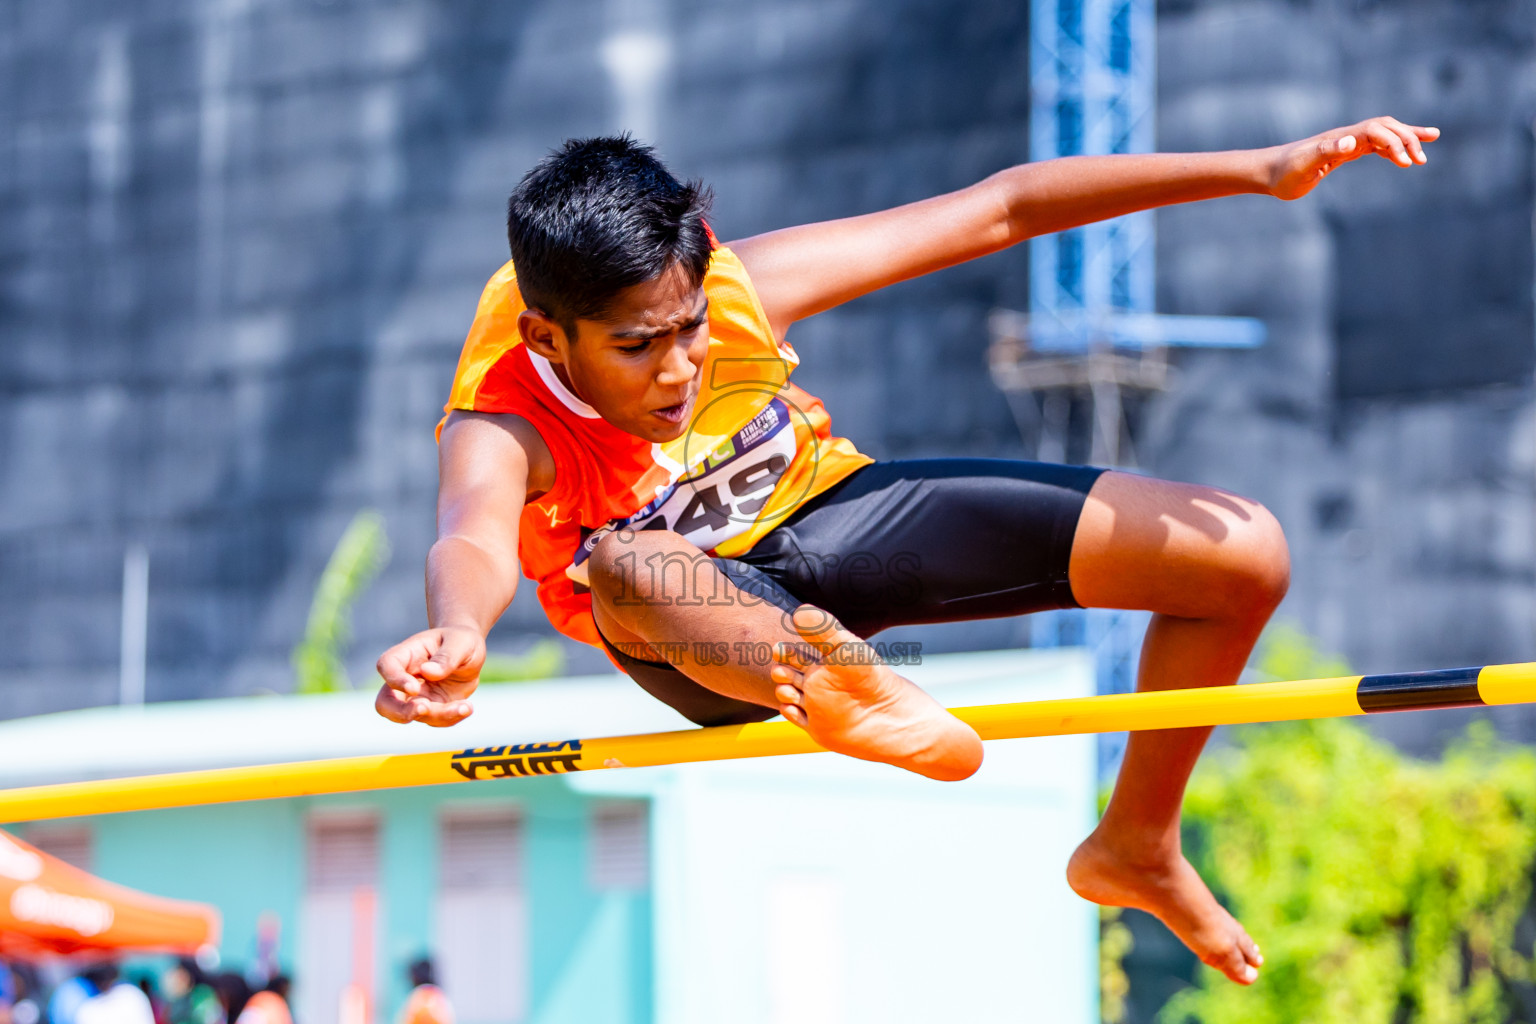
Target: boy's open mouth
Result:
[674, 413]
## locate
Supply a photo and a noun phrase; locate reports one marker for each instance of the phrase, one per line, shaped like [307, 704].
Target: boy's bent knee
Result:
[615, 566]
[630, 567]
[1260, 564]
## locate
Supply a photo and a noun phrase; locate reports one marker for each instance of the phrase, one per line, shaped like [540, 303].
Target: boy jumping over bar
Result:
[623, 429]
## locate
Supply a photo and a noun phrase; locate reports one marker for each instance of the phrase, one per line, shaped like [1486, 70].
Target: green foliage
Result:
[544, 660]
[1382, 889]
[362, 551]
[1289, 653]
[1115, 944]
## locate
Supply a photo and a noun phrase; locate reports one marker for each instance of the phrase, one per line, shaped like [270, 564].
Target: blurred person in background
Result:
[265, 967]
[118, 1000]
[427, 1004]
[233, 993]
[270, 1005]
[69, 995]
[28, 1006]
[7, 993]
[146, 985]
[189, 997]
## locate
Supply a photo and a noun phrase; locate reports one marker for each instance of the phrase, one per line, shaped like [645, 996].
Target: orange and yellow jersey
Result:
[756, 448]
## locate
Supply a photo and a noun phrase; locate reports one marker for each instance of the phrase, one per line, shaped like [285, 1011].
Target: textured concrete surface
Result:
[241, 240]
[1389, 421]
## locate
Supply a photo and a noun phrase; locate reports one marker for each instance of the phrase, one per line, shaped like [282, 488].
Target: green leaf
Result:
[359, 556]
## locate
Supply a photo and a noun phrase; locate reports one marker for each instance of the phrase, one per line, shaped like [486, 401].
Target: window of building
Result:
[621, 846]
[72, 844]
[482, 915]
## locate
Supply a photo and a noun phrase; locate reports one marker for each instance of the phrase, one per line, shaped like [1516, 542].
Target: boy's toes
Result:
[1234, 963]
[786, 675]
[1234, 967]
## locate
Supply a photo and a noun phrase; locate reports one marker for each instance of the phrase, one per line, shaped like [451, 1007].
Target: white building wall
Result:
[823, 890]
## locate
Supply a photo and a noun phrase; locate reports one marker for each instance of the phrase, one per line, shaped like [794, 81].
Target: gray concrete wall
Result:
[1389, 421]
[241, 240]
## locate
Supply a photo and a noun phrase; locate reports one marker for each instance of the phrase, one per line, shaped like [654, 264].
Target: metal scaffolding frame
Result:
[1092, 338]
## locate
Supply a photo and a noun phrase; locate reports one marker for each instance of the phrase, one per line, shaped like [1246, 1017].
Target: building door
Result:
[340, 920]
[482, 916]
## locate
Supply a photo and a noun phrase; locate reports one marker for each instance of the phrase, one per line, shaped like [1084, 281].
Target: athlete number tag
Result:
[722, 497]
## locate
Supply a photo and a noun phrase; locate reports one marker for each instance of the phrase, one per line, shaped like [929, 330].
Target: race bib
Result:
[721, 498]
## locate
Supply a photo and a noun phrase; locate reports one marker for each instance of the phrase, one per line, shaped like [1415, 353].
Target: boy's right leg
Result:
[657, 597]
[1212, 567]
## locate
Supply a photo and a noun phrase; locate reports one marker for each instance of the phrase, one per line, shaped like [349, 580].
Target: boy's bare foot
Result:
[1172, 891]
[853, 703]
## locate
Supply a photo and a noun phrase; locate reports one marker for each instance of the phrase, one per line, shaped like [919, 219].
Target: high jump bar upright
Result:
[1166, 709]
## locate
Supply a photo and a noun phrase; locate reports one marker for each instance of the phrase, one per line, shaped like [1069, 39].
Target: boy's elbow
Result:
[1008, 223]
[1016, 230]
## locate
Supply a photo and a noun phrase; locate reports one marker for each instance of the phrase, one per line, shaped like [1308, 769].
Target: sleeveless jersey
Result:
[756, 447]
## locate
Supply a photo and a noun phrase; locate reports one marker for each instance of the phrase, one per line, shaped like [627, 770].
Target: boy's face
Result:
[639, 366]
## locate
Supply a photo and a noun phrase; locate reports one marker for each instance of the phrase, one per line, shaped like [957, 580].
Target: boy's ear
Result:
[541, 334]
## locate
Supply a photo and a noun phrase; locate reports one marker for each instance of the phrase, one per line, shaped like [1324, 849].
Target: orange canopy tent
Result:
[48, 906]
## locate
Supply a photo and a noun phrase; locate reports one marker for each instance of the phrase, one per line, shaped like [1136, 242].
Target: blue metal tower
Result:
[1092, 334]
[1093, 83]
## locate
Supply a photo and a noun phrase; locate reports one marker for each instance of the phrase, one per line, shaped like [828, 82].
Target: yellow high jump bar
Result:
[1166, 709]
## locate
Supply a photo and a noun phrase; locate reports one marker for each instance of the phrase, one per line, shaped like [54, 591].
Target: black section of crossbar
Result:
[1412, 691]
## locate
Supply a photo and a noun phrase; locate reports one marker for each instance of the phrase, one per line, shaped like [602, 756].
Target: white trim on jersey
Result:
[559, 390]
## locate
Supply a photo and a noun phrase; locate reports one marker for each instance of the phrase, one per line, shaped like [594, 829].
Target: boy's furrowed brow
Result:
[641, 333]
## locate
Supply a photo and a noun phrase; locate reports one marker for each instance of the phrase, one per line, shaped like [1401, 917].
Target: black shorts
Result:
[902, 543]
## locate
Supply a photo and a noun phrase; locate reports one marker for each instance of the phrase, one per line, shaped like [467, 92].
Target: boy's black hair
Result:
[597, 216]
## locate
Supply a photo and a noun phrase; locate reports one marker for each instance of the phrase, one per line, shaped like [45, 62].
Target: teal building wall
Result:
[591, 951]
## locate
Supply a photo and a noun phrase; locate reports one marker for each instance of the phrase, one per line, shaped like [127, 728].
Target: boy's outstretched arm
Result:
[487, 466]
[801, 271]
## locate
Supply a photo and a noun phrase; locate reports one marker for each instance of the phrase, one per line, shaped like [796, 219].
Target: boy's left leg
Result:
[641, 602]
[982, 538]
[1212, 567]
